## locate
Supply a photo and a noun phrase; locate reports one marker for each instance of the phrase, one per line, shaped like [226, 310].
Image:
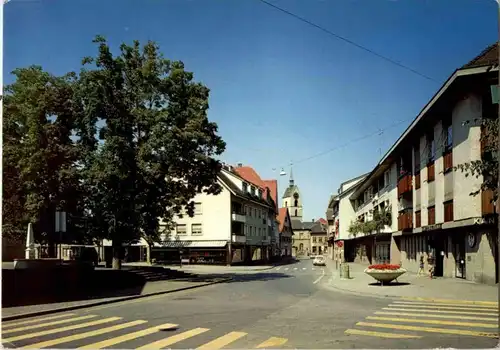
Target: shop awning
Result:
[192, 244]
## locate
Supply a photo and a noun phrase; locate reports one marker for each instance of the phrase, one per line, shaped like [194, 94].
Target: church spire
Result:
[291, 175]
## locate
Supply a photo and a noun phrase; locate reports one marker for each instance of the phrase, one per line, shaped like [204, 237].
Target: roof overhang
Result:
[388, 158]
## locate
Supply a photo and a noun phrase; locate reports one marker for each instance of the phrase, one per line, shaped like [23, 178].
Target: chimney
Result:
[240, 165]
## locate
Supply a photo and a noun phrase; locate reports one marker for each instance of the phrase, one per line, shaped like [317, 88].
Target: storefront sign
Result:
[432, 227]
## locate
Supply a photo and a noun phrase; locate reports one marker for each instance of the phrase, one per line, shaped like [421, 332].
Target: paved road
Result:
[285, 307]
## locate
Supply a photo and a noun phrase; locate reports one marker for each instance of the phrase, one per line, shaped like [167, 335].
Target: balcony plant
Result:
[384, 273]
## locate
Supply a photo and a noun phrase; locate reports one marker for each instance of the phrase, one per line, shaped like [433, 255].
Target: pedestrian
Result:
[421, 271]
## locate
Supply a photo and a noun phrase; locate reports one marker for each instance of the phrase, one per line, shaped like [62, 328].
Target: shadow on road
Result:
[45, 286]
[392, 284]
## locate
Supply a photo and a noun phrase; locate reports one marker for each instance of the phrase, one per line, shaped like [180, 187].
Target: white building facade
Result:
[434, 216]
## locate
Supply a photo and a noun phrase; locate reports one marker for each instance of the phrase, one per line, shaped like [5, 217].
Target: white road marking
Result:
[303, 268]
[313, 269]
[320, 277]
[286, 268]
[295, 268]
[278, 268]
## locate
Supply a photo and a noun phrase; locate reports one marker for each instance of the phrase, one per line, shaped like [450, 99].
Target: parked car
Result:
[319, 261]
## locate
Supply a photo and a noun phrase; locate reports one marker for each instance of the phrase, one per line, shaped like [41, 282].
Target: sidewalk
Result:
[149, 289]
[410, 286]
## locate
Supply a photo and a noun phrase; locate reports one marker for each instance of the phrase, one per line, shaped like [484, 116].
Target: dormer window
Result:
[245, 187]
[260, 193]
[252, 190]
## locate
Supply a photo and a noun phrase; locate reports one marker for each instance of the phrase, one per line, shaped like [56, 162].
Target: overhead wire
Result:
[349, 41]
[361, 138]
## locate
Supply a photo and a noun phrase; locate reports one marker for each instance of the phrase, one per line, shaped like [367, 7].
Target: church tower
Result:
[292, 200]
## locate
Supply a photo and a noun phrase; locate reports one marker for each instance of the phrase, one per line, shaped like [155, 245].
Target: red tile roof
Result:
[323, 221]
[273, 188]
[282, 214]
[250, 175]
[487, 57]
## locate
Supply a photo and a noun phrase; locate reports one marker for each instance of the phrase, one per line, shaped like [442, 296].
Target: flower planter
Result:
[385, 273]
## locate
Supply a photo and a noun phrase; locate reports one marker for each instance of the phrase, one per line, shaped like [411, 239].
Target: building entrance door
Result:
[459, 253]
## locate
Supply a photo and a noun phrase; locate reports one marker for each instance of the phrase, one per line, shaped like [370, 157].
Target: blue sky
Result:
[281, 90]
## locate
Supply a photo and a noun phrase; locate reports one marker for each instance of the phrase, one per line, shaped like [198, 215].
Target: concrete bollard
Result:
[344, 271]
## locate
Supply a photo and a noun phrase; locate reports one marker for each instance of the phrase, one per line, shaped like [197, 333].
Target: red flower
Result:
[384, 267]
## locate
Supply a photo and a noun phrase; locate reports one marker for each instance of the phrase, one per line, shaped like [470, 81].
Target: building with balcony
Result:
[345, 215]
[235, 226]
[332, 218]
[433, 214]
[285, 232]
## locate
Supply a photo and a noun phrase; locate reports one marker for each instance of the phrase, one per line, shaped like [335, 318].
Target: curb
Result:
[402, 297]
[99, 303]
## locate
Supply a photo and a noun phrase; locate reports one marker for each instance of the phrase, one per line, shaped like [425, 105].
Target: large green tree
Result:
[156, 147]
[40, 158]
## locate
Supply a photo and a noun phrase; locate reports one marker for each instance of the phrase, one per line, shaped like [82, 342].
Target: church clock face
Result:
[296, 195]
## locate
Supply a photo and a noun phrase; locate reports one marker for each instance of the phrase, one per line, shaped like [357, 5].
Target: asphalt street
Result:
[285, 307]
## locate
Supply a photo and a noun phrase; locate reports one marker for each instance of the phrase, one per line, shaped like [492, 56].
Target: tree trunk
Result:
[117, 255]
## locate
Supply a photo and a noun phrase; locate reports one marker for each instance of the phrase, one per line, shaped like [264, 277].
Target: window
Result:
[260, 193]
[416, 158]
[286, 204]
[252, 190]
[245, 187]
[196, 230]
[418, 218]
[314, 239]
[295, 212]
[296, 203]
[181, 229]
[431, 147]
[197, 208]
[259, 231]
[320, 239]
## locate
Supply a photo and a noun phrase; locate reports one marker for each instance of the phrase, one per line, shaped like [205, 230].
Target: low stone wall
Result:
[65, 282]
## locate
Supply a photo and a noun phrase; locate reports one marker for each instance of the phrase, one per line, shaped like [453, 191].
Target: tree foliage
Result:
[381, 218]
[124, 143]
[487, 166]
[40, 172]
[157, 145]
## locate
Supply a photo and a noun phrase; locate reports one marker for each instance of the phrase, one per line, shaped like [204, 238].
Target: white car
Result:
[319, 261]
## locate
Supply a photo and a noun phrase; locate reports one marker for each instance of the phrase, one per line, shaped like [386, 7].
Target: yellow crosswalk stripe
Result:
[455, 317]
[30, 321]
[62, 329]
[272, 342]
[162, 343]
[73, 337]
[443, 307]
[438, 322]
[381, 334]
[126, 337]
[444, 304]
[441, 311]
[48, 324]
[428, 329]
[220, 342]
[454, 301]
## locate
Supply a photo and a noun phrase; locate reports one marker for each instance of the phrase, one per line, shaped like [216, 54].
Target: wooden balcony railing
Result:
[404, 185]
[448, 161]
[405, 220]
[487, 205]
[430, 172]
[417, 180]
[418, 218]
